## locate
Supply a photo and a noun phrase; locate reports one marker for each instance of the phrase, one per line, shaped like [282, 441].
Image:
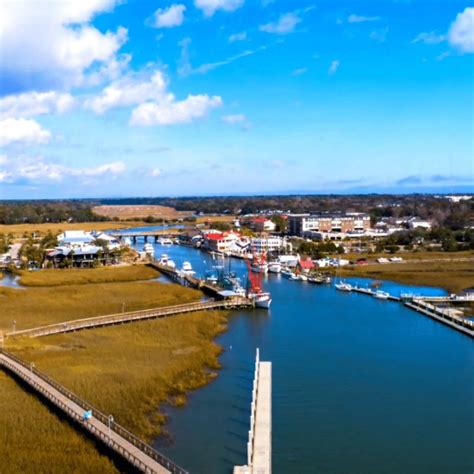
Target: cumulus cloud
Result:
[461, 32]
[22, 131]
[35, 103]
[39, 170]
[169, 17]
[171, 112]
[233, 119]
[285, 24]
[155, 105]
[128, 90]
[361, 19]
[209, 7]
[334, 66]
[238, 37]
[54, 45]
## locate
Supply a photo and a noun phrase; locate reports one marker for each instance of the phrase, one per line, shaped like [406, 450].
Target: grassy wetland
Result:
[74, 299]
[128, 371]
[453, 276]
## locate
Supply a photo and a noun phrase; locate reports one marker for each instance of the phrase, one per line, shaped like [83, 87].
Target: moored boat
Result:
[274, 267]
[343, 286]
[381, 295]
[148, 249]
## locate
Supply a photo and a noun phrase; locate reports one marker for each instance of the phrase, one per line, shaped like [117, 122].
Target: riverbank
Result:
[453, 276]
[128, 371]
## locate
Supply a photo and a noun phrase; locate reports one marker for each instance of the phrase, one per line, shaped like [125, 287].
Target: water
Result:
[9, 280]
[359, 385]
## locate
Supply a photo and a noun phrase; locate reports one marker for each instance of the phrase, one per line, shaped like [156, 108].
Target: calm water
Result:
[359, 386]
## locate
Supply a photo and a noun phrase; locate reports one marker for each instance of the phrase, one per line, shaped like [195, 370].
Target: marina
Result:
[335, 353]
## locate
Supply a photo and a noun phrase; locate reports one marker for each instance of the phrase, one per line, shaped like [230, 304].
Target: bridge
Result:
[100, 426]
[132, 316]
[259, 445]
[134, 235]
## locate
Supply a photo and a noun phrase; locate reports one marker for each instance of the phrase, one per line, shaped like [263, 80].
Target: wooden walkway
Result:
[120, 318]
[139, 454]
[259, 446]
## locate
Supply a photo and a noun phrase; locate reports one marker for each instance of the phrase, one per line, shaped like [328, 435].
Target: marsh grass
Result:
[80, 276]
[450, 275]
[37, 306]
[35, 440]
[20, 229]
[130, 370]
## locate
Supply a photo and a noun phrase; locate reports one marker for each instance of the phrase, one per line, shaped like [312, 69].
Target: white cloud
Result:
[171, 112]
[461, 32]
[361, 19]
[170, 17]
[39, 170]
[209, 7]
[299, 71]
[35, 103]
[233, 119]
[155, 172]
[429, 38]
[238, 37]
[53, 44]
[285, 24]
[22, 131]
[128, 90]
[334, 67]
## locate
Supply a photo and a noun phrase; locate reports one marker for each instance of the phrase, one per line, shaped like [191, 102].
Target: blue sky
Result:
[142, 98]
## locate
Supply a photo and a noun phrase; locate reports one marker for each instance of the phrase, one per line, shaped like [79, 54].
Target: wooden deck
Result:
[136, 452]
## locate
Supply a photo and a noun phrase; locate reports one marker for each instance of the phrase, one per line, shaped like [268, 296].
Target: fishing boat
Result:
[381, 295]
[163, 259]
[315, 279]
[287, 272]
[343, 286]
[262, 300]
[171, 264]
[274, 267]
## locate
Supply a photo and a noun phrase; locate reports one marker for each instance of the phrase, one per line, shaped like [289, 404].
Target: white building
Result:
[268, 244]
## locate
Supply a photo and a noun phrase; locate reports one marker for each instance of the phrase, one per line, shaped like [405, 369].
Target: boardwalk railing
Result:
[144, 457]
[253, 410]
[98, 321]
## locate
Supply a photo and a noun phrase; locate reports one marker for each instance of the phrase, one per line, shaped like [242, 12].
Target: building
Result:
[223, 242]
[328, 223]
[417, 223]
[268, 244]
[262, 224]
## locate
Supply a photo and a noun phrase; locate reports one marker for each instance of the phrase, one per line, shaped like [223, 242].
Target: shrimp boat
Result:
[261, 298]
[381, 295]
[259, 264]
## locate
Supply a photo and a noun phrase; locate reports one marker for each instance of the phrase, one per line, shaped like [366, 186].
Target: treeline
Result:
[37, 212]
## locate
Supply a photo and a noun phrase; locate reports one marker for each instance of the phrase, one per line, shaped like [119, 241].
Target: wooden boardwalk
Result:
[259, 446]
[120, 318]
[139, 454]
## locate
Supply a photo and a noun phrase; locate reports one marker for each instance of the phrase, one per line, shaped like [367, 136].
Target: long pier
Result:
[442, 315]
[259, 445]
[120, 318]
[102, 427]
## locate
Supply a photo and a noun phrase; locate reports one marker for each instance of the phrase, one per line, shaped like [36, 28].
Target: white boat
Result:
[287, 272]
[274, 267]
[381, 295]
[148, 249]
[327, 279]
[164, 241]
[262, 299]
[171, 264]
[343, 286]
[163, 259]
[127, 241]
[187, 268]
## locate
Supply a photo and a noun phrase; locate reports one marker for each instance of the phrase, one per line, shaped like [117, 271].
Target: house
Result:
[305, 266]
[268, 244]
[216, 241]
[262, 224]
[417, 223]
